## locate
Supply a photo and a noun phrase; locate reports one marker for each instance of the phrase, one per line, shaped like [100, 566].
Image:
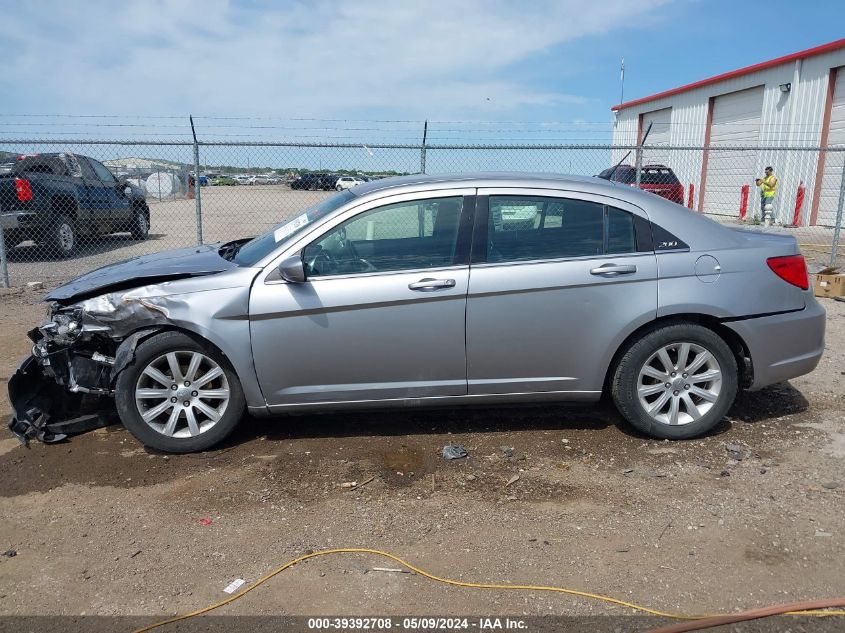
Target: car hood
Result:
[144, 270]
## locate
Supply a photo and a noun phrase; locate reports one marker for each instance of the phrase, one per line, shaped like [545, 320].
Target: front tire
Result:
[140, 227]
[179, 395]
[676, 382]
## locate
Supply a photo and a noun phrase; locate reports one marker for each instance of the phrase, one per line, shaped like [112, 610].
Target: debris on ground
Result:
[830, 485]
[206, 521]
[735, 451]
[454, 451]
[10, 553]
[512, 480]
[392, 569]
[562, 466]
[233, 586]
[822, 533]
[507, 451]
[353, 485]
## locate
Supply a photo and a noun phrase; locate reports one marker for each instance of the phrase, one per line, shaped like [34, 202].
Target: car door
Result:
[93, 199]
[381, 314]
[119, 202]
[558, 281]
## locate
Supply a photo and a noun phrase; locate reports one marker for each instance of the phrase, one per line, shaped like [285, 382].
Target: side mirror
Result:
[292, 270]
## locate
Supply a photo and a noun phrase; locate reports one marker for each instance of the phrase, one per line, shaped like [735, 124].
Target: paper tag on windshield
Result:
[283, 231]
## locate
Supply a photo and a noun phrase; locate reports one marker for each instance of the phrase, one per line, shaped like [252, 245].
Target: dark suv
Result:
[657, 179]
[315, 182]
[54, 199]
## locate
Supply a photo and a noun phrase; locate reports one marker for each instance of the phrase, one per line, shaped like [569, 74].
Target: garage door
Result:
[736, 122]
[660, 135]
[834, 161]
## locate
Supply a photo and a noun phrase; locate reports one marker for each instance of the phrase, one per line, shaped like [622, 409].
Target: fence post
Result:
[834, 248]
[4, 264]
[422, 149]
[197, 195]
[639, 163]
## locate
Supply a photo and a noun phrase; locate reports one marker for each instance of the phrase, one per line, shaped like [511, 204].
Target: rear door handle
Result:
[613, 270]
[432, 284]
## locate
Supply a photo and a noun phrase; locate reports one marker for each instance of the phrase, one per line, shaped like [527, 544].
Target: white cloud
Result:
[322, 58]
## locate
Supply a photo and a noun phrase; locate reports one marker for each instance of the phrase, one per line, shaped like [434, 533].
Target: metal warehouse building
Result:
[719, 134]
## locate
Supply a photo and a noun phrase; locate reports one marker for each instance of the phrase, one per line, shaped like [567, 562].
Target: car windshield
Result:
[254, 250]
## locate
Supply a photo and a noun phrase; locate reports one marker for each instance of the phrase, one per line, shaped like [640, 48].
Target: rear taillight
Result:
[24, 189]
[792, 269]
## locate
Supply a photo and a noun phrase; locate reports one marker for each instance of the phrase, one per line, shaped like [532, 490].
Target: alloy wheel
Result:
[182, 394]
[66, 237]
[679, 383]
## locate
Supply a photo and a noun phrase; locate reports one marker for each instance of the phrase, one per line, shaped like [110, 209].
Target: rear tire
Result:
[699, 369]
[184, 413]
[61, 237]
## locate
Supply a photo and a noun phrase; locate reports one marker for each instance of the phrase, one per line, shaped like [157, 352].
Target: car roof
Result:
[478, 179]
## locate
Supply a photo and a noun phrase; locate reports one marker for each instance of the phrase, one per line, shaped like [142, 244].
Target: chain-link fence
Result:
[68, 206]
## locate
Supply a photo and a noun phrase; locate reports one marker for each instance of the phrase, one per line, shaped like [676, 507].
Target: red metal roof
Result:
[810, 52]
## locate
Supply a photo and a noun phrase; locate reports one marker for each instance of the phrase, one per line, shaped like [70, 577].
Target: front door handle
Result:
[428, 284]
[613, 270]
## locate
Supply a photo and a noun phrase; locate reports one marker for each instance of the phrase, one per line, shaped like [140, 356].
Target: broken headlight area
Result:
[66, 385]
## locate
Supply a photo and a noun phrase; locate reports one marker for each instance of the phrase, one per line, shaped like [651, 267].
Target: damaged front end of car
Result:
[66, 386]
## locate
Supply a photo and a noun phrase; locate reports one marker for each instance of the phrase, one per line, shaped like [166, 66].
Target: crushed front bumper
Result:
[48, 412]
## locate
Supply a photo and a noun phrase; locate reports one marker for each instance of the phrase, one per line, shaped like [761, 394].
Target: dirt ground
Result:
[99, 525]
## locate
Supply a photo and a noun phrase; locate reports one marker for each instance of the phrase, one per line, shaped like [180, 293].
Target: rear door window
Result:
[87, 170]
[525, 228]
[102, 172]
[538, 228]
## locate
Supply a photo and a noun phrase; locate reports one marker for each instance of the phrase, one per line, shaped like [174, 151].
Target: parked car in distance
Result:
[242, 179]
[656, 179]
[223, 180]
[347, 182]
[404, 292]
[310, 181]
[59, 199]
[258, 180]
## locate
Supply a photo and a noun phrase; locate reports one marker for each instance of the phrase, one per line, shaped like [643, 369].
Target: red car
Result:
[658, 179]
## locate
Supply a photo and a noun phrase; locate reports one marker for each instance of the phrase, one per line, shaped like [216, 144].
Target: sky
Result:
[481, 70]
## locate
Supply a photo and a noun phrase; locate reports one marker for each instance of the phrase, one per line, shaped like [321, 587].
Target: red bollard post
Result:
[743, 202]
[691, 195]
[799, 204]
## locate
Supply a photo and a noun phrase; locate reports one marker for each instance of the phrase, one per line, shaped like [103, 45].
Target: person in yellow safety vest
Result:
[768, 188]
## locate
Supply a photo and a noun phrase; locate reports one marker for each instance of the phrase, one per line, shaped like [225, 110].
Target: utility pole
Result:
[622, 82]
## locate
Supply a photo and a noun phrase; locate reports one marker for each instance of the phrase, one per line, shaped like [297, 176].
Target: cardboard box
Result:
[829, 283]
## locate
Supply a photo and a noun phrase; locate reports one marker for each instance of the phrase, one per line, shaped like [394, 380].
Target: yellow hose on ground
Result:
[446, 581]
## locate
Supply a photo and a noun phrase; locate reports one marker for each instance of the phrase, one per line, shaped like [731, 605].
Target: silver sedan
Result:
[426, 290]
